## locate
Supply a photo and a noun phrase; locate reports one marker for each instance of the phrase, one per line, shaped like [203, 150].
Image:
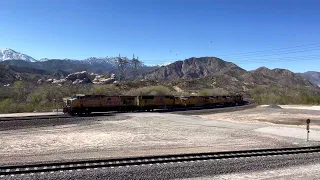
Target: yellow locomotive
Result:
[85, 104]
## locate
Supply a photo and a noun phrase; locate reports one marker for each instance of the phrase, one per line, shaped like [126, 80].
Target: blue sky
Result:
[250, 33]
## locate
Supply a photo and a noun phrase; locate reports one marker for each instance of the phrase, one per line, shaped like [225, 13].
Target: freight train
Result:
[86, 104]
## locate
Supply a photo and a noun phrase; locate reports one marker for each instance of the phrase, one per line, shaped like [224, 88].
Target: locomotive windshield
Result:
[68, 102]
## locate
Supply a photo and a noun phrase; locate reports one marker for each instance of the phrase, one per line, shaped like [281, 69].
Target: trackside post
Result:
[308, 129]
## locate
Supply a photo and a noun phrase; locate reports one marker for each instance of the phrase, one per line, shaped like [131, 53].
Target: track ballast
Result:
[134, 161]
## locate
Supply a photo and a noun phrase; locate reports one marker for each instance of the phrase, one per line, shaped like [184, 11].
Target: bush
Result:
[277, 95]
[213, 92]
[109, 90]
[152, 90]
[8, 106]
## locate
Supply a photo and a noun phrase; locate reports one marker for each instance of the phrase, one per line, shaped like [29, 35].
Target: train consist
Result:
[85, 104]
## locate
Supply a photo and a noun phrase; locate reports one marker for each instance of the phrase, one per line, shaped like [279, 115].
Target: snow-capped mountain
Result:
[95, 60]
[92, 64]
[112, 61]
[44, 59]
[159, 65]
[9, 54]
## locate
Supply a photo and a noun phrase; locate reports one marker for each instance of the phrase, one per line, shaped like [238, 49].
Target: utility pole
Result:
[122, 62]
[135, 64]
[55, 104]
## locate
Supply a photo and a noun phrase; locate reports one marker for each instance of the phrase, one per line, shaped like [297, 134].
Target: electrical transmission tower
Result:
[122, 63]
[135, 63]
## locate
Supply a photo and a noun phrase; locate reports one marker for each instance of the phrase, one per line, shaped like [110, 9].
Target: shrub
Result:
[280, 95]
[9, 106]
[213, 92]
[109, 90]
[151, 90]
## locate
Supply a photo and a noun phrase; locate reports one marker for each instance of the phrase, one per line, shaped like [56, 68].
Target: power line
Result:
[266, 56]
[242, 57]
[263, 51]
[274, 54]
[257, 59]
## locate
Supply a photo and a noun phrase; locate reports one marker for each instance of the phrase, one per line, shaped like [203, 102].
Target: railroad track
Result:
[220, 109]
[193, 111]
[134, 161]
[34, 117]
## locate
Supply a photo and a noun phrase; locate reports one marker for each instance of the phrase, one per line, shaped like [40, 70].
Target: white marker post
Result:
[55, 104]
[308, 129]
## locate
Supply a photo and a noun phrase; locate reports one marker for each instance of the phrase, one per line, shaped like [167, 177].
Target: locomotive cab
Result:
[72, 104]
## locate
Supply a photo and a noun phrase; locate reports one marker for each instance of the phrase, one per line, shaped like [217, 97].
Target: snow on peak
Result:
[9, 54]
[159, 65]
[44, 59]
[95, 60]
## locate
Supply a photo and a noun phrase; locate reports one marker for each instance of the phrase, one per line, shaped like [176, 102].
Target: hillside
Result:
[281, 77]
[9, 74]
[195, 68]
[64, 65]
[313, 76]
[71, 66]
[232, 75]
[208, 72]
[190, 74]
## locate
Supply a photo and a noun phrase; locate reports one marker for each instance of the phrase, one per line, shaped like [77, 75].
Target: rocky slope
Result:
[313, 76]
[9, 74]
[195, 68]
[208, 72]
[282, 77]
[192, 73]
[91, 65]
[64, 65]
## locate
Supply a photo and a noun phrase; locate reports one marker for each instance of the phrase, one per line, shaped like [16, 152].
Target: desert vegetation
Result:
[292, 95]
[27, 97]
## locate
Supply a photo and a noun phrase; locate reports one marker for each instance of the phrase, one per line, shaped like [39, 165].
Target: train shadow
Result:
[95, 114]
[176, 109]
[195, 108]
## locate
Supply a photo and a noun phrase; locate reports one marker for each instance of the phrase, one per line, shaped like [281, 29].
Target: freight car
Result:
[85, 104]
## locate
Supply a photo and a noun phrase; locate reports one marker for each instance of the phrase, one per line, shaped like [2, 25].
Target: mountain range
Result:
[97, 65]
[208, 72]
[211, 71]
[9, 54]
[313, 76]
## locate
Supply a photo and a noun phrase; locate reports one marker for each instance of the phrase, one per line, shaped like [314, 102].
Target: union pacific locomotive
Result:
[85, 104]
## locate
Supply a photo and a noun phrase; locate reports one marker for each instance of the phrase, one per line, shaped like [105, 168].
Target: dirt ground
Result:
[287, 115]
[136, 134]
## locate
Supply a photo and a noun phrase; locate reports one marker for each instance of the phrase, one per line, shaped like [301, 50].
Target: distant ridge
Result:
[313, 76]
[226, 74]
[188, 69]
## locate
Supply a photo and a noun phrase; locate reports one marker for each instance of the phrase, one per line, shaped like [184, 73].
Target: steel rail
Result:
[33, 117]
[177, 111]
[116, 162]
